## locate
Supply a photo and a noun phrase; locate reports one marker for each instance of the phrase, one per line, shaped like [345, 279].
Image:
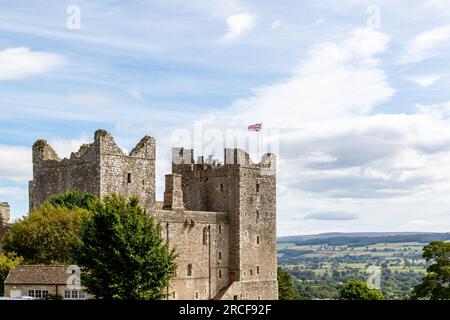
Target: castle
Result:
[4, 218]
[220, 218]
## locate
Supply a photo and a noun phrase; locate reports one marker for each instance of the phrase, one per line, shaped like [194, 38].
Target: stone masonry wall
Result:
[247, 192]
[4, 213]
[99, 168]
[128, 175]
[220, 218]
[52, 175]
[200, 240]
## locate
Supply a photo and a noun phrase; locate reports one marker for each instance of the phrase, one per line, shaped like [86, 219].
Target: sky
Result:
[354, 96]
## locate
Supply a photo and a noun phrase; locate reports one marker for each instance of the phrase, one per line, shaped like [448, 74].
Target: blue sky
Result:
[359, 95]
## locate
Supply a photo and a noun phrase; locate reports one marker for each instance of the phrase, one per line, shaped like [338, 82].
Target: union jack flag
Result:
[255, 127]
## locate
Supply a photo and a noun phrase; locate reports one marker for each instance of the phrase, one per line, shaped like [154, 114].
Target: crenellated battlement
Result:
[182, 156]
[220, 216]
[100, 167]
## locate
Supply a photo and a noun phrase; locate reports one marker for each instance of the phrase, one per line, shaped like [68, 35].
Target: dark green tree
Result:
[358, 290]
[46, 235]
[436, 284]
[7, 262]
[286, 289]
[72, 200]
[121, 253]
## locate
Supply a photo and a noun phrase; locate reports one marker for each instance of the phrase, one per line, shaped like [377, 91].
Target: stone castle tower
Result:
[220, 218]
[4, 216]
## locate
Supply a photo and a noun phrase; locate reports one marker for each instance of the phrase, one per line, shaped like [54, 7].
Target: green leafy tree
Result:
[286, 289]
[121, 253]
[72, 200]
[436, 284]
[46, 235]
[358, 290]
[7, 262]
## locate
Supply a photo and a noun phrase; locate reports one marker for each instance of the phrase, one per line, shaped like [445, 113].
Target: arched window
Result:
[189, 270]
[220, 274]
[205, 236]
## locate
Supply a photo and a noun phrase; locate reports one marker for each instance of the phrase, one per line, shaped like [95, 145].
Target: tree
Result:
[7, 262]
[436, 284]
[46, 235]
[286, 290]
[72, 200]
[121, 253]
[358, 290]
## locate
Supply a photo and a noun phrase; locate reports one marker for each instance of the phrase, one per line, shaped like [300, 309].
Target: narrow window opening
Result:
[189, 270]
[129, 177]
[205, 236]
[257, 240]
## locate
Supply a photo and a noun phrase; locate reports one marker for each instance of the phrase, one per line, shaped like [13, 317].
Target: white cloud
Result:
[336, 79]
[135, 93]
[332, 215]
[320, 21]
[424, 80]
[239, 25]
[91, 100]
[17, 193]
[15, 163]
[336, 153]
[18, 63]
[276, 24]
[64, 147]
[439, 4]
[426, 45]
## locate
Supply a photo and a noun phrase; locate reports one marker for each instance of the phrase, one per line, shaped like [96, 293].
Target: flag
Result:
[255, 127]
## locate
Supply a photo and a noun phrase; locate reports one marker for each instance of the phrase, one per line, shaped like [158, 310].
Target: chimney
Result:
[173, 196]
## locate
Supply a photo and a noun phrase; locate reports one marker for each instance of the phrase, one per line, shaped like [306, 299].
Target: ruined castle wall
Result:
[4, 220]
[128, 175]
[99, 168]
[52, 176]
[4, 213]
[201, 240]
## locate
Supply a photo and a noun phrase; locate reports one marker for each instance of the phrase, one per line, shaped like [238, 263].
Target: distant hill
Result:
[348, 235]
[365, 238]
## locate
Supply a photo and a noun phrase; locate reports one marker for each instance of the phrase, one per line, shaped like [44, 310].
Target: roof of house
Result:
[38, 274]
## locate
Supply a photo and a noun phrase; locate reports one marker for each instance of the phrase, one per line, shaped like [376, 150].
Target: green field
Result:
[320, 269]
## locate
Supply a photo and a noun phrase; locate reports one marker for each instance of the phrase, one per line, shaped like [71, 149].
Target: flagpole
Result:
[258, 141]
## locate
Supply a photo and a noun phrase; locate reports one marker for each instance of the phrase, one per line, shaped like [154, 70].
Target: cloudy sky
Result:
[358, 94]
